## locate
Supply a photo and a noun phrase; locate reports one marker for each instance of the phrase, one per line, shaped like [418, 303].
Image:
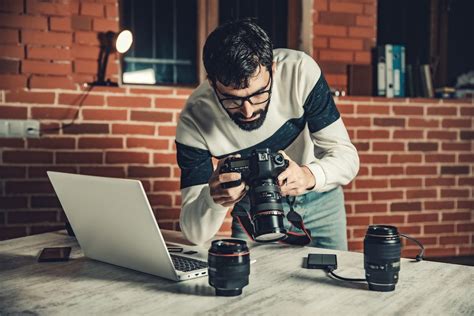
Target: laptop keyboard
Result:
[187, 264]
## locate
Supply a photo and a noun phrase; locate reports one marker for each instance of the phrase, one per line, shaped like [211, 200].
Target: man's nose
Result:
[247, 109]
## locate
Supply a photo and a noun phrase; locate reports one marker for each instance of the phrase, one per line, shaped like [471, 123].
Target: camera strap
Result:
[293, 217]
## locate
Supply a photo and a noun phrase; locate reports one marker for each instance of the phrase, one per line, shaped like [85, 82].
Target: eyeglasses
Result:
[257, 98]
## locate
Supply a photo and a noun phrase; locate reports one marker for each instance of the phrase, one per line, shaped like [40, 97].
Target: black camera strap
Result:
[293, 217]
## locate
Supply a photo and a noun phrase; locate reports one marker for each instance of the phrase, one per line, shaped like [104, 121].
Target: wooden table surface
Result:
[279, 285]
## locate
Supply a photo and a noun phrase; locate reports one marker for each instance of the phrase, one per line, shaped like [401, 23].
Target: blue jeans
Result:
[323, 214]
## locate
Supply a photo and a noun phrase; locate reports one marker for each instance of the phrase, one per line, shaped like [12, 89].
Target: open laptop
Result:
[114, 223]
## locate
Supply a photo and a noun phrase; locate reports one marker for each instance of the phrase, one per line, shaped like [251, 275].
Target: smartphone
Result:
[54, 254]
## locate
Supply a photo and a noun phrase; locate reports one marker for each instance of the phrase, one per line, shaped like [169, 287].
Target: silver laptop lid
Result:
[113, 222]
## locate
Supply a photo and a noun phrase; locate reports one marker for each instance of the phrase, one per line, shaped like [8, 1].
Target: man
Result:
[257, 97]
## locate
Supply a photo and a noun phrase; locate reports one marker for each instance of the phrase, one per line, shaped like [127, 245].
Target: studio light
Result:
[110, 42]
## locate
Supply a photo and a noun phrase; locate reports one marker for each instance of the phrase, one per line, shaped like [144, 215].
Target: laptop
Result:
[114, 223]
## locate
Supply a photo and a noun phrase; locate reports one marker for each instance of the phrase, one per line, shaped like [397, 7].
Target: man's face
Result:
[247, 107]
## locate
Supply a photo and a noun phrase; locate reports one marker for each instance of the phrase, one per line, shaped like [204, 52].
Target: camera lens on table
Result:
[382, 251]
[229, 266]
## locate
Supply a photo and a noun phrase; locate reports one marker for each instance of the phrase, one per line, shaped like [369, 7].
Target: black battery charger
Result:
[322, 261]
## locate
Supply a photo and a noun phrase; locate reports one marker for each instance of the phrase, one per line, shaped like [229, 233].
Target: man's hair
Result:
[234, 51]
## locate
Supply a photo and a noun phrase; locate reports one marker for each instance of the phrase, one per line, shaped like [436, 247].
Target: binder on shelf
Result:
[426, 81]
[389, 70]
[397, 69]
[403, 72]
[410, 82]
[379, 65]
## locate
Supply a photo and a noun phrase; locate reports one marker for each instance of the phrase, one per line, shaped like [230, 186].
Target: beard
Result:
[252, 125]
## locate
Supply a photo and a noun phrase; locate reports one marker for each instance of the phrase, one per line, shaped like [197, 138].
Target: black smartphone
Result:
[321, 261]
[54, 254]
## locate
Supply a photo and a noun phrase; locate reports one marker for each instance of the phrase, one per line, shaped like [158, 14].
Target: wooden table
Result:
[279, 285]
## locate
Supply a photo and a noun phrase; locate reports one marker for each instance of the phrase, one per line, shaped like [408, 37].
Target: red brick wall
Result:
[417, 162]
[344, 33]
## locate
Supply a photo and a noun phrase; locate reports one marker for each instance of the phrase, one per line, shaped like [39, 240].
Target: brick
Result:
[149, 172]
[75, 99]
[364, 20]
[456, 146]
[373, 109]
[362, 57]
[13, 112]
[346, 7]
[442, 110]
[356, 196]
[149, 116]
[361, 146]
[164, 158]
[421, 170]
[85, 67]
[456, 123]
[128, 102]
[399, 122]
[421, 218]
[51, 82]
[20, 187]
[49, 53]
[346, 43]
[457, 216]
[46, 38]
[157, 91]
[408, 110]
[111, 11]
[454, 193]
[371, 208]
[418, 194]
[167, 131]
[388, 146]
[13, 82]
[422, 146]
[358, 220]
[31, 217]
[373, 158]
[160, 200]
[335, 18]
[104, 25]
[8, 66]
[88, 38]
[429, 182]
[467, 111]
[386, 195]
[455, 170]
[54, 8]
[440, 158]
[12, 172]
[405, 158]
[329, 30]
[12, 143]
[12, 51]
[405, 206]
[369, 184]
[127, 157]
[165, 185]
[442, 135]
[100, 142]
[438, 205]
[13, 6]
[356, 122]
[23, 22]
[9, 36]
[408, 134]
[466, 157]
[40, 172]
[79, 157]
[386, 170]
[389, 219]
[439, 228]
[60, 24]
[24, 156]
[467, 135]
[169, 103]
[334, 55]
[417, 122]
[92, 9]
[52, 143]
[151, 143]
[45, 202]
[116, 172]
[87, 128]
[320, 42]
[454, 240]
[466, 181]
[41, 67]
[367, 32]
[132, 129]
[13, 202]
[321, 5]
[104, 115]
[81, 23]
[53, 113]
[85, 52]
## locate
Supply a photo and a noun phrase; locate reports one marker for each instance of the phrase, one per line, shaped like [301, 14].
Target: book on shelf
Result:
[389, 71]
[426, 81]
[378, 54]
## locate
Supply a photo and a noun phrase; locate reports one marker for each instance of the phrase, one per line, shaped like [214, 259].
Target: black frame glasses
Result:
[236, 104]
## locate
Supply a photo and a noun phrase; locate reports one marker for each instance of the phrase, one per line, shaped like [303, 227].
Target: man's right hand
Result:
[230, 196]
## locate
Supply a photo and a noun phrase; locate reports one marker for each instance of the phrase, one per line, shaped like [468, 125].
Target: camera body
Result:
[260, 171]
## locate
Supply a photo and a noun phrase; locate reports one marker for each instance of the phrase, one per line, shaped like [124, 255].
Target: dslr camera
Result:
[260, 171]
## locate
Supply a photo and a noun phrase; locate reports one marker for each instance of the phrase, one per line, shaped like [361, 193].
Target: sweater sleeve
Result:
[200, 217]
[337, 161]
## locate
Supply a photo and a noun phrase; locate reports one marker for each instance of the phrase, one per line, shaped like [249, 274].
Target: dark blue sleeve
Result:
[319, 107]
[195, 164]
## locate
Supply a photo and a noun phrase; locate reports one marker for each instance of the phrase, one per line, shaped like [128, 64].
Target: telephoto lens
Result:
[382, 250]
[229, 266]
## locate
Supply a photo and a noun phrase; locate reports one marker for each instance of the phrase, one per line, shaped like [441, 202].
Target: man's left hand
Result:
[296, 179]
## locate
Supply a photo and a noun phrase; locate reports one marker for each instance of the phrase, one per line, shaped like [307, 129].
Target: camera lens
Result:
[382, 250]
[229, 266]
[267, 210]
